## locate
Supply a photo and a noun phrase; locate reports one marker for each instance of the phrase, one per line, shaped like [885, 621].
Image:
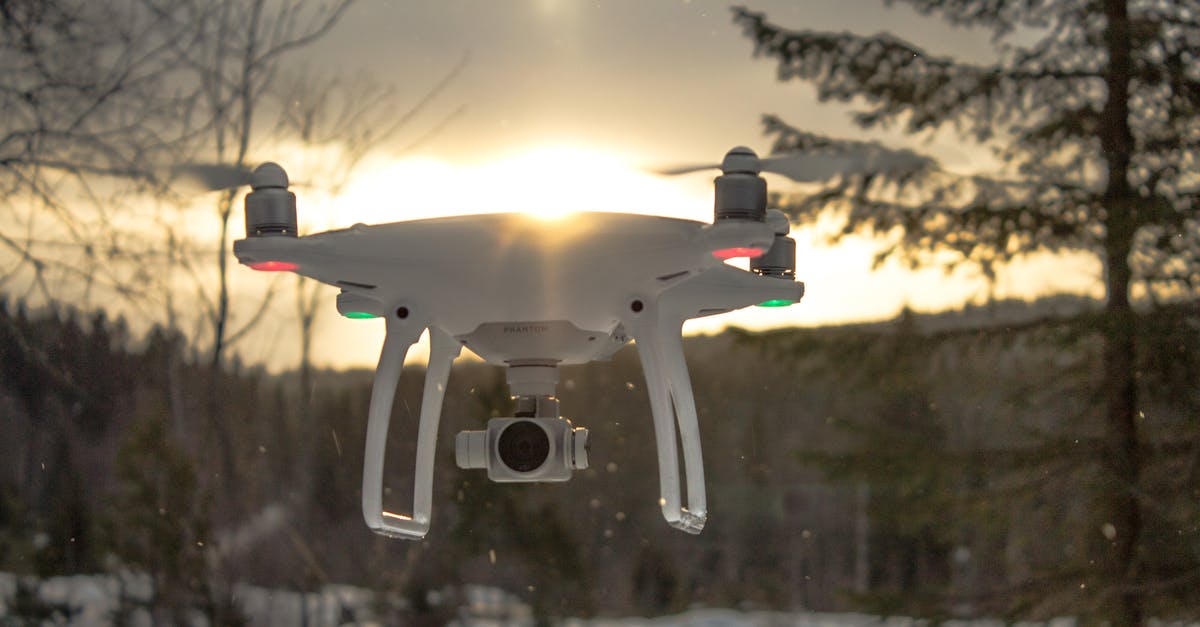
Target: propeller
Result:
[217, 177]
[815, 165]
[212, 176]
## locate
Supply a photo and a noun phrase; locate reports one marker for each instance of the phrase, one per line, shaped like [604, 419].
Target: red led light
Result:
[273, 266]
[734, 253]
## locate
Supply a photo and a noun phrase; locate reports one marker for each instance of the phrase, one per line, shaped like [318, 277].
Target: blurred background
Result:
[986, 407]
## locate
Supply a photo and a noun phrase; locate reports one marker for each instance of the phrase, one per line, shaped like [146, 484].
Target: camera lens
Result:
[524, 446]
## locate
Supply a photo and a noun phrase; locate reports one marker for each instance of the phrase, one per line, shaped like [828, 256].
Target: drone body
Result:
[532, 294]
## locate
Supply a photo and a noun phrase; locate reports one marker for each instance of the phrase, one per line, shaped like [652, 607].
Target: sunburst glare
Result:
[548, 181]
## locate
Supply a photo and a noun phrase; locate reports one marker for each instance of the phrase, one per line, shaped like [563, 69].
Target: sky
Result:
[670, 80]
[568, 105]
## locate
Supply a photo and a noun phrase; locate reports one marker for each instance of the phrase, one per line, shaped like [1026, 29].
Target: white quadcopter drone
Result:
[532, 295]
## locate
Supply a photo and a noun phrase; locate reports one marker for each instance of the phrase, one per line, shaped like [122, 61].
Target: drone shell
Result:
[515, 287]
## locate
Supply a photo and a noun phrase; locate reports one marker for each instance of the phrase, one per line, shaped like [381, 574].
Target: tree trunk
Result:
[862, 535]
[307, 434]
[218, 428]
[1121, 466]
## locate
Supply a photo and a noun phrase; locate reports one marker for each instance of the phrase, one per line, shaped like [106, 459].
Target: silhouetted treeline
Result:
[932, 466]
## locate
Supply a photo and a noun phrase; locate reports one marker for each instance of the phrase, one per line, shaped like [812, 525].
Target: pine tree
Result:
[1095, 120]
[906, 495]
[157, 520]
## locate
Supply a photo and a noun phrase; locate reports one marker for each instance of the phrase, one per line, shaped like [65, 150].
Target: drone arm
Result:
[660, 346]
[443, 349]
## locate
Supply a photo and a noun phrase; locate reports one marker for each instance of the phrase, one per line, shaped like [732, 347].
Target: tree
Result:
[905, 473]
[86, 115]
[231, 62]
[234, 61]
[156, 523]
[1095, 122]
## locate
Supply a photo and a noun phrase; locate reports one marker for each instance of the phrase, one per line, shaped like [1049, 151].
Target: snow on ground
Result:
[733, 618]
[332, 605]
[91, 600]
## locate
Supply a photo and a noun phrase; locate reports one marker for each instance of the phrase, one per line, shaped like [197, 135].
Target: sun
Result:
[550, 182]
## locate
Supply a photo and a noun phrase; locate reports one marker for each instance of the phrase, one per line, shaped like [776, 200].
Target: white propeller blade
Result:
[819, 165]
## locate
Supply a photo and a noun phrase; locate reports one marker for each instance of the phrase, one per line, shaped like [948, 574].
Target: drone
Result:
[533, 295]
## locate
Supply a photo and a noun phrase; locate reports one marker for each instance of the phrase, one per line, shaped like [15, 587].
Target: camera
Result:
[524, 449]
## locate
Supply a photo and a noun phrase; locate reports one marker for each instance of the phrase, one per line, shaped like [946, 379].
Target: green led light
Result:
[359, 315]
[777, 302]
